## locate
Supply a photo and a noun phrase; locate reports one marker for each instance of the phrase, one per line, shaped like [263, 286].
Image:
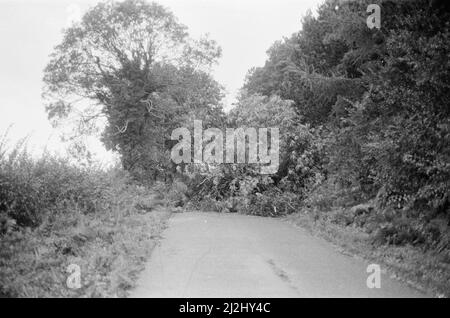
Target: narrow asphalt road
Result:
[231, 255]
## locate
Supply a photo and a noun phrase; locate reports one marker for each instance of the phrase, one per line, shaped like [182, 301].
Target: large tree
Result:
[133, 65]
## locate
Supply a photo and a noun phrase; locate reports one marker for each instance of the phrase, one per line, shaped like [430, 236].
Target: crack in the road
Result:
[281, 274]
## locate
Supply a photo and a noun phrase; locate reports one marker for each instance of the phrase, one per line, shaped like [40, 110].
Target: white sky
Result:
[29, 29]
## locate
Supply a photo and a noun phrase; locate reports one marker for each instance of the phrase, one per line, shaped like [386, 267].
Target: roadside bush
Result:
[54, 214]
[174, 193]
[31, 188]
[273, 203]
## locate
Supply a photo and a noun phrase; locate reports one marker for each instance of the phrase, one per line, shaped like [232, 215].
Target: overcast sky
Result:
[29, 29]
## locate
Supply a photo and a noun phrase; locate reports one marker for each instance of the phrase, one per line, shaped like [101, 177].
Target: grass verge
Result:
[110, 249]
[60, 222]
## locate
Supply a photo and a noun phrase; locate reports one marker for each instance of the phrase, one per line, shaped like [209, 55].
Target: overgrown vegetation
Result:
[363, 117]
[53, 214]
[365, 120]
[132, 66]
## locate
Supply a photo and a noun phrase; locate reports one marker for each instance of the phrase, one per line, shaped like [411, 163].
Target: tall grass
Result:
[54, 213]
[30, 188]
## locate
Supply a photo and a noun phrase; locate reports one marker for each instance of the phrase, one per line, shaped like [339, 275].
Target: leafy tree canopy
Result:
[133, 65]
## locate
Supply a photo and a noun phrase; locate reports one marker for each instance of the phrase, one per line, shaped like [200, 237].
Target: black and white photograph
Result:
[224, 156]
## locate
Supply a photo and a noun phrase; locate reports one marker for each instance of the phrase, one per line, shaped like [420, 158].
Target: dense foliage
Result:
[364, 122]
[54, 213]
[132, 66]
[365, 117]
[381, 96]
[363, 113]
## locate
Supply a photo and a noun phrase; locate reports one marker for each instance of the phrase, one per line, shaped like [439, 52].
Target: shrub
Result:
[31, 188]
[54, 213]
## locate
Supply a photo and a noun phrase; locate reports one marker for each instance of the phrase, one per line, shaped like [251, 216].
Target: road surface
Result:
[232, 255]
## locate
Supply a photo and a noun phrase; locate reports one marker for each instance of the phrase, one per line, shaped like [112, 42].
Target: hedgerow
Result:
[54, 214]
